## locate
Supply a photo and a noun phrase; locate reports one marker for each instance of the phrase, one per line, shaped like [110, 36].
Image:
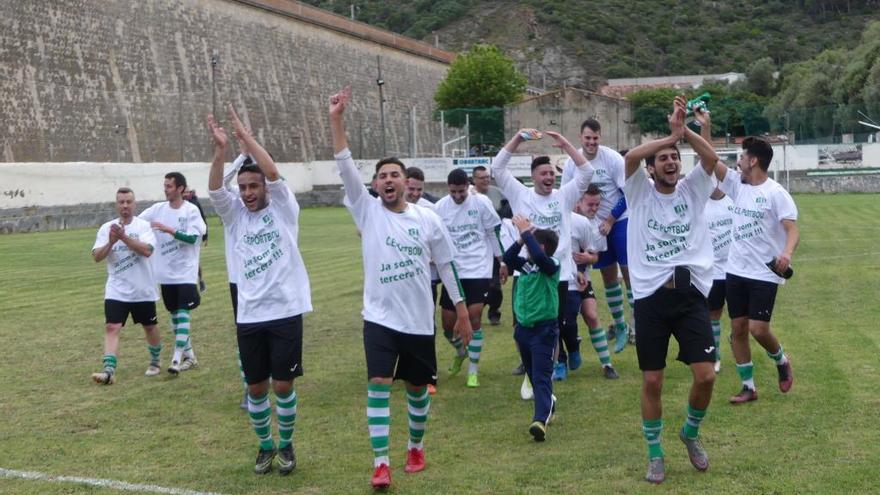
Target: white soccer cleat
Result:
[189, 363]
[525, 391]
[103, 378]
[174, 369]
[152, 370]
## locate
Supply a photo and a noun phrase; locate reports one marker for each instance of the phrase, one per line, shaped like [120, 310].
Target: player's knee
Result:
[652, 384]
[258, 389]
[282, 387]
[113, 328]
[704, 377]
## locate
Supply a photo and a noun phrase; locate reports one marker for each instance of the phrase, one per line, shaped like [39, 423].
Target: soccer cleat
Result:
[622, 339]
[455, 367]
[494, 320]
[415, 460]
[718, 366]
[744, 395]
[560, 372]
[381, 477]
[786, 379]
[153, 370]
[574, 360]
[609, 373]
[432, 389]
[696, 452]
[538, 430]
[174, 369]
[525, 390]
[632, 334]
[264, 461]
[473, 381]
[189, 363]
[519, 370]
[104, 378]
[656, 471]
[611, 334]
[286, 460]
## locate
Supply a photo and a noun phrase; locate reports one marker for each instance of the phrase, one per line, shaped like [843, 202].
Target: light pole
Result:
[381, 82]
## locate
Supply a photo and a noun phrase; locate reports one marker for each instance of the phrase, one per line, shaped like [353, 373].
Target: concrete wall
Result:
[131, 80]
[563, 111]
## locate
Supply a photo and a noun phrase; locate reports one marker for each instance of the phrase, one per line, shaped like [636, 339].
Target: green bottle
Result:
[700, 103]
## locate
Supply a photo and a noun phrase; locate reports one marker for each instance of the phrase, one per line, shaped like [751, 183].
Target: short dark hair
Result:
[179, 179]
[415, 173]
[124, 190]
[593, 124]
[457, 177]
[549, 239]
[650, 160]
[540, 160]
[593, 190]
[478, 168]
[390, 159]
[623, 152]
[760, 149]
[250, 167]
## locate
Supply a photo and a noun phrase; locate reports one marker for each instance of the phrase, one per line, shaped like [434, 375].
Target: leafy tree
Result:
[651, 107]
[759, 76]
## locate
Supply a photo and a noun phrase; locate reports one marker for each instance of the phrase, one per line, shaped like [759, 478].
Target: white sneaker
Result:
[717, 366]
[152, 370]
[174, 369]
[189, 363]
[525, 391]
[103, 378]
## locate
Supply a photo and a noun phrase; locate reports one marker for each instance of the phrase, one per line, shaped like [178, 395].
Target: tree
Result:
[482, 77]
[759, 76]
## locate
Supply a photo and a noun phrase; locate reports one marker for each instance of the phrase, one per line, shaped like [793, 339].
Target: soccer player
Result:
[671, 272]
[482, 184]
[415, 187]
[586, 242]
[765, 235]
[398, 240]
[191, 196]
[536, 302]
[473, 227]
[179, 229]
[126, 243]
[273, 288]
[613, 216]
[544, 206]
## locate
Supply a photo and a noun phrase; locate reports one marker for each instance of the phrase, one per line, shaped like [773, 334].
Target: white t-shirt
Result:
[758, 236]
[585, 237]
[129, 275]
[271, 276]
[425, 203]
[609, 177]
[174, 261]
[668, 230]
[471, 227]
[552, 211]
[230, 183]
[397, 251]
[719, 214]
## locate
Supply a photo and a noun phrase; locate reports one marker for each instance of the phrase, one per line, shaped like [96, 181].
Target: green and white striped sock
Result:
[379, 421]
[180, 325]
[154, 353]
[652, 428]
[614, 297]
[778, 356]
[109, 363]
[260, 412]
[746, 374]
[417, 406]
[455, 341]
[692, 423]
[600, 344]
[716, 333]
[475, 347]
[285, 409]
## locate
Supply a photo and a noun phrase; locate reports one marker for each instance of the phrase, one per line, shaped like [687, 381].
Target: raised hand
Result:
[522, 223]
[339, 100]
[676, 118]
[529, 134]
[559, 140]
[218, 133]
[238, 128]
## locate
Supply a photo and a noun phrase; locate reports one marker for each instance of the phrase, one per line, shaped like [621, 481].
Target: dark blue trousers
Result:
[536, 346]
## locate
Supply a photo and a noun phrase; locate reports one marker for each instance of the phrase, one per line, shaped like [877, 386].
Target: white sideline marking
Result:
[118, 485]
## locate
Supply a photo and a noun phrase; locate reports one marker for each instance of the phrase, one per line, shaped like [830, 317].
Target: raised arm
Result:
[583, 170]
[218, 134]
[351, 178]
[510, 187]
[634, 157]
[701, 145]
[261, 156]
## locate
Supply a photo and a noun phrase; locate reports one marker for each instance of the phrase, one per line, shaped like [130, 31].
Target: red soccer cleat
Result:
[415, 460]
[381, 477]
[786, 379]
[432, 389]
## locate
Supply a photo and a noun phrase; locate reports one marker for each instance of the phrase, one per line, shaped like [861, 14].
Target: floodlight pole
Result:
[381, 82]
[215, 59]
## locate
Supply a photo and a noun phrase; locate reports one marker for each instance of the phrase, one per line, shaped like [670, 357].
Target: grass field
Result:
[188, 432]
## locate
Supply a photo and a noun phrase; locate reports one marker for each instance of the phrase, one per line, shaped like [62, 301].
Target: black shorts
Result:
[180, 296]
[271, 349]
[143, 312]
[476, 291]
[588, 293]
[717, 295]
[683, 313]
[233, 293]
[749, 297]
[399, 355]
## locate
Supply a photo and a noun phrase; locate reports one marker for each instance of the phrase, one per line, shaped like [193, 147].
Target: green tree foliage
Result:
[759, 76]
[821, 96]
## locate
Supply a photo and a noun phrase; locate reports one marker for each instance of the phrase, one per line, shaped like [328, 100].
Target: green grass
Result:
[189, 433]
